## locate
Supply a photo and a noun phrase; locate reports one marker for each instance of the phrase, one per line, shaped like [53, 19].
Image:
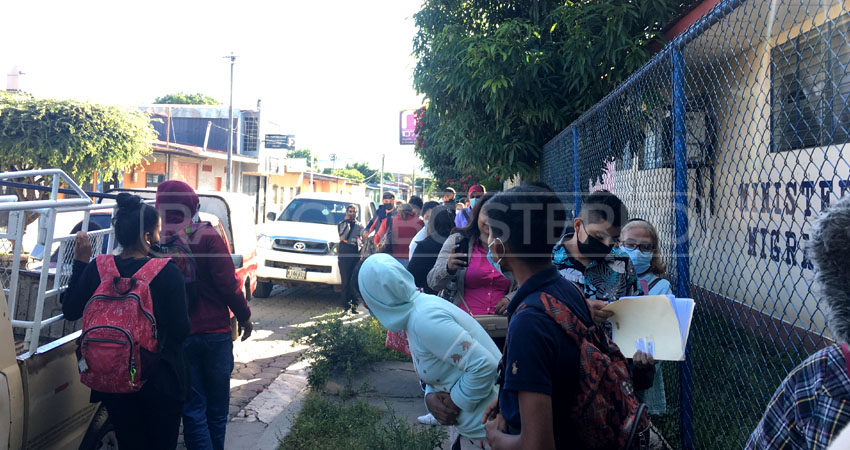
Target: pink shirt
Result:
[483, 285]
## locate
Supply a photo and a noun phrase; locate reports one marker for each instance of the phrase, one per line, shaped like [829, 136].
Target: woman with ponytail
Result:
[150, 417]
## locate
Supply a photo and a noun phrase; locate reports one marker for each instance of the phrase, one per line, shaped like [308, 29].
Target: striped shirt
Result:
[811, 406]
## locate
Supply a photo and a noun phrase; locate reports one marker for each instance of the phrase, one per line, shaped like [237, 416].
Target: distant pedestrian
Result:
[809, 409]
[209, 348]
[348, 255]
[424, 258]
[465, 215]
[423, 233]
[150, 417]
[448, 196]
[399, 230]
[417, 203]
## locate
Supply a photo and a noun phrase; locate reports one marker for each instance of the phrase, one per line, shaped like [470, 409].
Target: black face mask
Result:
[593, 248]
[156, 248]
[388, 206]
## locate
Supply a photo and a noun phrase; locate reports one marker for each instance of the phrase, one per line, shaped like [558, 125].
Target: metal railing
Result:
[730, 141]
[48, 211]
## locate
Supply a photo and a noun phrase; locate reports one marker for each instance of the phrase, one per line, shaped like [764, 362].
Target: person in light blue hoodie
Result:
[639, 239]
[452, 353]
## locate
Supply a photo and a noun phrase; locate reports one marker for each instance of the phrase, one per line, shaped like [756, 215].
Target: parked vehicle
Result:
[43, 404]
[299, 246]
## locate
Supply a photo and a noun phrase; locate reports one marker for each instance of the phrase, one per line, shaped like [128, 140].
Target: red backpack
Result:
[609, 413]
[119, 344]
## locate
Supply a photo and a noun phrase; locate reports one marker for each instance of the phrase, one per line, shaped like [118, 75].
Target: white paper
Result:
[655, 324]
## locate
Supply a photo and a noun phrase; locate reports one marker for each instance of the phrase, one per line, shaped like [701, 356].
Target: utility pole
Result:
[232, 58]
[333, 163]
[414, 181]
[382, 176]
[312, 170]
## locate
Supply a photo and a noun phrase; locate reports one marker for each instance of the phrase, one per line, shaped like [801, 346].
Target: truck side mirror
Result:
[271, 216]
[237, 261]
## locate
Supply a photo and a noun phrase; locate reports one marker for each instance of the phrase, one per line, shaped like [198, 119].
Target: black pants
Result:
[146, 419]
[348, 258]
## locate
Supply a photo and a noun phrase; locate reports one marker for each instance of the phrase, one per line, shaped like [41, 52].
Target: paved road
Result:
[260, 359]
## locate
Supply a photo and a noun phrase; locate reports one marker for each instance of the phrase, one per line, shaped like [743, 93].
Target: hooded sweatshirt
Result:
[451, 351]
[219, 288]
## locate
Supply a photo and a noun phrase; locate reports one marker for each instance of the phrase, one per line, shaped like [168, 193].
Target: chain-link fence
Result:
[730, 141]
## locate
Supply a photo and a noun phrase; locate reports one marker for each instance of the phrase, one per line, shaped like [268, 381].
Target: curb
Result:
[280, 426]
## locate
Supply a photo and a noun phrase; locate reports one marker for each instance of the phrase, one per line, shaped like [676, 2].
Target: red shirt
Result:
[403, 233]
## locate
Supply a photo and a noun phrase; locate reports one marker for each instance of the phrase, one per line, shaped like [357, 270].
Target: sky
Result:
[333, 73]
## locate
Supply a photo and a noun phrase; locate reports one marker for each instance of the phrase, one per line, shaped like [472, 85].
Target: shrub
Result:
[330, 425]
[338, 347]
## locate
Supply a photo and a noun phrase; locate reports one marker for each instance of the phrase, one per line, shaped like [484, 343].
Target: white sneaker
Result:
[428, 419]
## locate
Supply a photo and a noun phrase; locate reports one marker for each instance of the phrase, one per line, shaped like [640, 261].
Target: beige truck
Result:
[43, 405]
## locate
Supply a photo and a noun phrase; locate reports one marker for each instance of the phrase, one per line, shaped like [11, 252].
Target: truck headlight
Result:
[264, 241]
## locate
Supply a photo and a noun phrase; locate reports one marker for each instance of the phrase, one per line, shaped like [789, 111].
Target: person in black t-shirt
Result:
[348, 255]
[149, 418]
[541, 363]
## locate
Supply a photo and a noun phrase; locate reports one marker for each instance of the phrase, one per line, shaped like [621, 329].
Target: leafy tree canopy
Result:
[182, 98]
[503, 78]
[354, 174]
[302, 153]
[78, 137]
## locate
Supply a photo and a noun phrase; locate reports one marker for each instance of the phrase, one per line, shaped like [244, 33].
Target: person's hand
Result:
[599, 316]
[501, 308]
[494, 428]
[82, 247]
[491, 412]
[442, 407]
[456, 260]
[245, 329]
[643, 360]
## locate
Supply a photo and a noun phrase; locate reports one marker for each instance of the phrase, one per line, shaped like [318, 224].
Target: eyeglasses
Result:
[631, 245]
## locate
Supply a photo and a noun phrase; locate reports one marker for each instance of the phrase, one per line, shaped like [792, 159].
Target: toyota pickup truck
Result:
[299, 245]
[43, 405]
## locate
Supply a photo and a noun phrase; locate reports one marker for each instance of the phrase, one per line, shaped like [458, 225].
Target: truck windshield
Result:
[315, 211]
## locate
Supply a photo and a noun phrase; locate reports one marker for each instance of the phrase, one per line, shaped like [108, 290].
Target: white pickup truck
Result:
[43, 405]
[300, 244]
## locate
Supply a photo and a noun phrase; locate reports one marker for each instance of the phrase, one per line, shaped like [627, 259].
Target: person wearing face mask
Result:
[586, 254]
[387, 209]
[423, 233]
[640, 241]
[464, 216]
[463, 273]
[209, 347]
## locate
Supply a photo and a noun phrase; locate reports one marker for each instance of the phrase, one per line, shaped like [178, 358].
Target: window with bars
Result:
[250, 135]
[810, 88]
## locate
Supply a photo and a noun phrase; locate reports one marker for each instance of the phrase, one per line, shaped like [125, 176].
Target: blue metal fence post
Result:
[683, 276]
[576, 174]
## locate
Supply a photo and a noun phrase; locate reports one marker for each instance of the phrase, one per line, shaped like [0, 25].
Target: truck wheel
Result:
[247, 290]
[100, 435]
[264, 288]
[234, 328]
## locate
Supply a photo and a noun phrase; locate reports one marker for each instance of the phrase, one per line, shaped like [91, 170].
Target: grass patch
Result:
[734, 373]
[333, 425]
[337, 347]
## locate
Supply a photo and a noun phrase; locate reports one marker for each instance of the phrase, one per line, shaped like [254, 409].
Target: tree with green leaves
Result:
[305, 153]
[353, 174]
[182, 98]
[78, 137]
[501, 79]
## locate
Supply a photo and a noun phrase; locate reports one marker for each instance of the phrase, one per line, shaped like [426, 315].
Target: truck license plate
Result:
[296, 273]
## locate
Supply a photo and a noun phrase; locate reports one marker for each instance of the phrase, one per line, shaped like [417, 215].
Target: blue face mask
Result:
[473, 202]
[495, 264]
[640, 260]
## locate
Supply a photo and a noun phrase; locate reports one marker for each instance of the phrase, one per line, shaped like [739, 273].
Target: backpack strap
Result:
[654, 282]
[465, 213]
[151, 269]
[106, 268]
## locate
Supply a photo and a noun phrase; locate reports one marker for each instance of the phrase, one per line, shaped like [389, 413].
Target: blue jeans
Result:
[209, 358]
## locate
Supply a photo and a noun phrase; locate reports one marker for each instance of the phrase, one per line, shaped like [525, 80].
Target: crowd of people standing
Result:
[534, 388]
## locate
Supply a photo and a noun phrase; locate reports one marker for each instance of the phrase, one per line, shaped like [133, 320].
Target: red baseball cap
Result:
[475, 188]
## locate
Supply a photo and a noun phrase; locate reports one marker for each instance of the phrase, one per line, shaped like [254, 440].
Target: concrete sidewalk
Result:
[268, 418]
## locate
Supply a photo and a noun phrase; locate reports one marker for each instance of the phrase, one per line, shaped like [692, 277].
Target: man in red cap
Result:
[476, 191]
[212, 287]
